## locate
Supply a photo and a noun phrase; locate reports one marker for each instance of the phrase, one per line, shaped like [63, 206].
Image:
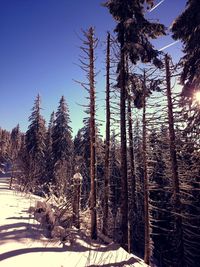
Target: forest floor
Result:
[23, 242]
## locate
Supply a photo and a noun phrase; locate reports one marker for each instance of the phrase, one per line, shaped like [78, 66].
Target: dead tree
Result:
[87, 62]
[131, 174]
[124, 178]
[174, 169]
[77, 179]
[91, 40]
[131, 179]
[107, 143]
[147, 249]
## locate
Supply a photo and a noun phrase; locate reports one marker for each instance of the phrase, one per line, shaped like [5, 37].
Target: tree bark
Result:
[174, 168]
[124, 182]
[131, 181]
[107, 145]
[147, 248]
[92, 137]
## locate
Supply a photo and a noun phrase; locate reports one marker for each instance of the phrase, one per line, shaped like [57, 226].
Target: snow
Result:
[23, 242]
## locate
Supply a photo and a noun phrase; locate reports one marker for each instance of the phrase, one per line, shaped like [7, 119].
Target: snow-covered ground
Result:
[23, 243]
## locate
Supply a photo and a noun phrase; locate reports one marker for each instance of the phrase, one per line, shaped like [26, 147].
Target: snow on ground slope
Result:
[23, 243]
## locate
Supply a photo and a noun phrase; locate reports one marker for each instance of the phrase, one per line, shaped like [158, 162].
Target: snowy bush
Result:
[54, 218]
[45, 215]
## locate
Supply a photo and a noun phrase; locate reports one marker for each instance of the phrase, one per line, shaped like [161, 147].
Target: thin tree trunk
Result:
[92, 138]
[107, 147]
[147, 246]
[124, 182]
[132, 201]
[174, 168]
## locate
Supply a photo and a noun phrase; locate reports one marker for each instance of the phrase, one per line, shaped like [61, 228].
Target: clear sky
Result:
[39, 50]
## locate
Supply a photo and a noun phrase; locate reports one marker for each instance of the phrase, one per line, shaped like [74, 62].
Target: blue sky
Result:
[39, 51]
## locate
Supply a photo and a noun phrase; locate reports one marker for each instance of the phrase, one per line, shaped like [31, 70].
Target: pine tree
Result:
[82, 161]
[114, 187]
[15, 137]
[81, 152]
[160, 198]
[49, 150]
[186, 28]
[15, 141]
[187, 144]
[133, 32]
[4, 144]
[35, 146]
[62, 149]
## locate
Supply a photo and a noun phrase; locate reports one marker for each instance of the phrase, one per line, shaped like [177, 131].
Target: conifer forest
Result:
[132, 177]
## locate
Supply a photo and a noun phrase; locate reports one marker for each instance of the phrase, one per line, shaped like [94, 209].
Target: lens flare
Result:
[197, 97]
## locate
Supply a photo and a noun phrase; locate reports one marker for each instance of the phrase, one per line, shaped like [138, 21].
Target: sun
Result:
[197, 96]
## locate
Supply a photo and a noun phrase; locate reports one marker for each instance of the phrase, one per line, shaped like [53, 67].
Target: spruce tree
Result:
[114, 187]
[160, 198]
[62, 149]
[35, 146]
[49, 152]
[133, 33]
[15, 138]
[4, 144]
[81, 152]
[82, 161]
[187, 143]
[187, 28]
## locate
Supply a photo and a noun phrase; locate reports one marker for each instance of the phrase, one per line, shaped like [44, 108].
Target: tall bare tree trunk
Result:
[131, 181]
[147, 245]
[107, 147]
[174, 168]
[92, 137]
[124, 182]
